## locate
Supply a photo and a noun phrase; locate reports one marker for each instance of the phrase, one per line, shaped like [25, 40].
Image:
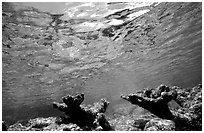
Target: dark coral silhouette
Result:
[156, 101]
[88, 117]
[188, 117]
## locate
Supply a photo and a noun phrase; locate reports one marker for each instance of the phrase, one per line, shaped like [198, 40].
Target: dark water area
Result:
[101, 49]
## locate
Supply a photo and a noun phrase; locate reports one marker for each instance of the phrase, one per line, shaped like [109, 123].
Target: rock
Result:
[190, 118]
[126, 128]
[68, 127]
[17, 127]
[41, 122]
[123, 123]
[103, 122]
[142, 121]
[87, 117]
[62, 127]
[152, 128]
[44, 124]
[158, 124]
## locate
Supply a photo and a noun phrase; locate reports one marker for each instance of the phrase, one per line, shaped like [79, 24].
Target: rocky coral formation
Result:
[87, 117]
[159, 125]
[44, 124]
[80, 117]
[42, 49]
[38, 43]
[188, 117]
[153, 100]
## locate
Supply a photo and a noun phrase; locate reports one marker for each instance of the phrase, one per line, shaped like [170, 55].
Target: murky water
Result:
[92, 49]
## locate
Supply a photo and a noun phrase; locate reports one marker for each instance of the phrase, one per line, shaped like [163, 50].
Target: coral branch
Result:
[89, 117]
[156, 101]
[189, 116]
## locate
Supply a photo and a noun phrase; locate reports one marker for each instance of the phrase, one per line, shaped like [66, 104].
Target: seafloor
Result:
[101, 50]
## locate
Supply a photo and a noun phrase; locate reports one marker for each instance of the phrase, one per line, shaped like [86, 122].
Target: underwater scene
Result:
[124, 66]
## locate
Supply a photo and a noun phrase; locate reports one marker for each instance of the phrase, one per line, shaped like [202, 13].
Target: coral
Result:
[188, 117]
[44, 124]
[62, 127]
[19, 127]
[77, 117]
[41, 122]
[87, 117]
[156, 101]
[158, 124]
[80, 117]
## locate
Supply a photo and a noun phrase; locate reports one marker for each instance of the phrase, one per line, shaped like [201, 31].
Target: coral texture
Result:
[154, 100]
[189, 115]
[80, 117]
[159, 125]
[44, 124]
[87, 117]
